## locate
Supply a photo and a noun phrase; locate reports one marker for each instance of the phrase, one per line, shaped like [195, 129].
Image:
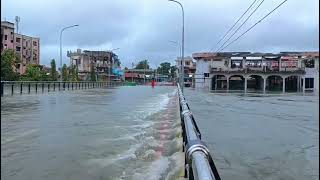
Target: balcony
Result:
[260, 70]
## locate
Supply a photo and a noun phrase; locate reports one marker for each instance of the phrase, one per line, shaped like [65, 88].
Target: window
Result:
[309, 82]
[11, 41]
[309, 63]
[187, 63]
[18, 40]
[18, 48]
[206, 74]
[35, 43]
[5, 37]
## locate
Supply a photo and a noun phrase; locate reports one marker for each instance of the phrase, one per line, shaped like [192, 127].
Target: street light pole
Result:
[61, 47]
[182, 44]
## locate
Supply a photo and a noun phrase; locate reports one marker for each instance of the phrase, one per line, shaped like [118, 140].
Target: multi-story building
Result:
[7, 35]
[189, 70]
[286, 71]
[27, 47]
[103, 62]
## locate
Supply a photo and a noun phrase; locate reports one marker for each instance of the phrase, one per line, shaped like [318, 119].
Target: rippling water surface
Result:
[273, 137]
[120, 133]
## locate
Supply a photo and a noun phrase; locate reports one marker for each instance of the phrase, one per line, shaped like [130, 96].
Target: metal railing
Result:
[23, 87]
[198, 161]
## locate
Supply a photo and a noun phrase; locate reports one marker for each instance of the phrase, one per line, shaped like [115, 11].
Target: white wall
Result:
[202, 67]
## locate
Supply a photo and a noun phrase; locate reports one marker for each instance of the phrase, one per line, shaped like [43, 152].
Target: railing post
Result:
[36, 87]
[12, 88]
[48, 87]
[68, 85]
[2, 84]
[59, 86]
[64, 86]
[54, 86]
[20, 88]
[42, 87]
[29, 88]
[72, 85]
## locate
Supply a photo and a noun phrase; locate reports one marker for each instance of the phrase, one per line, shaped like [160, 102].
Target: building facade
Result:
[27, 47]
[285, 71]
[103, 62]
[189, 70]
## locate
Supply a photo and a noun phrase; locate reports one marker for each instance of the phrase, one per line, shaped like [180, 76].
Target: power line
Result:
[235, 23]
[254, 25]
[240, 25]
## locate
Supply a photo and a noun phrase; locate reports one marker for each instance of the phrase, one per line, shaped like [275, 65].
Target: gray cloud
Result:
[142, 28]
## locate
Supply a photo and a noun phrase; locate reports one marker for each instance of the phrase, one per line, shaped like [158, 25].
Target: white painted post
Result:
[245, 85]
[227, 83]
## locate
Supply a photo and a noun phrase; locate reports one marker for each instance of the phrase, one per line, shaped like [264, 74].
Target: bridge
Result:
[196, 164]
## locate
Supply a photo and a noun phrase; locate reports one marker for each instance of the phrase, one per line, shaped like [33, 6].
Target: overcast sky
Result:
[142, 28]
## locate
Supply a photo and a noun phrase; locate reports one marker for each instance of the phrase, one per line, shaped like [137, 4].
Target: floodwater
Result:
[254, 137]
[119, 133]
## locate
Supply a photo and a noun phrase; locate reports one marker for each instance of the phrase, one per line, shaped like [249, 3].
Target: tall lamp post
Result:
[182, 44]
[61, 46]
[180, 49]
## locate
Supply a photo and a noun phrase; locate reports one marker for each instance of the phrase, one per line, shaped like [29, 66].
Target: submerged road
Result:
[272, 137]
[119, 133]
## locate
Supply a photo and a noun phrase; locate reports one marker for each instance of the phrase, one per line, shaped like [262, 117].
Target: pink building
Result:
[27, 48]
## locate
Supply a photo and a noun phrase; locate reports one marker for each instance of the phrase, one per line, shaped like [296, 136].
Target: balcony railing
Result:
[264, 70]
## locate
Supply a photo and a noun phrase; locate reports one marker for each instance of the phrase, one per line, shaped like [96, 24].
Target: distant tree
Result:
[64, 72]
[74, 73]
[144, 64]
[33, 73]
[9, 58]
[53, 72]
[125, 68]
[93, 73]
[172, 71]
[164, 68]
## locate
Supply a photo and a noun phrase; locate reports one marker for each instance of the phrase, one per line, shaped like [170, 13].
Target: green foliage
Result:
[53, 72]
[93, 73]
[172, 71]
[65, 73]
[35, 72]
[74, 73]
[143, 65]
[9, 58]
[164, 68]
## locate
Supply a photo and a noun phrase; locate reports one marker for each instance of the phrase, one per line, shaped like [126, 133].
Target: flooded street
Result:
[259, 137]
[119, 133]
[134, 133]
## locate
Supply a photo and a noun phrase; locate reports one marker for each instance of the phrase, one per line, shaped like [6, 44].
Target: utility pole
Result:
[132, 72]
[182, 44]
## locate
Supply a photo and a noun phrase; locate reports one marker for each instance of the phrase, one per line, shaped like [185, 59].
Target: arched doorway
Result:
[219, 82]
[291, 84]
[274, 83]
[255, 83]
[236, 82]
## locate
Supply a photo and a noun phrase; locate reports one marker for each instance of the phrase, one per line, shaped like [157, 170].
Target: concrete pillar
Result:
[227, 83]
[264, 84]
[283, 84]
[304, 84]
[280, 64]
[245, 84]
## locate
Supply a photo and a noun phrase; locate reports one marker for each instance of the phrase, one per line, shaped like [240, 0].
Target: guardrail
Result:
[22, 87]
[198, 161]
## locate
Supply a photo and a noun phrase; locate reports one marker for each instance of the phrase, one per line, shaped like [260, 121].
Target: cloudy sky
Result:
[142, 28]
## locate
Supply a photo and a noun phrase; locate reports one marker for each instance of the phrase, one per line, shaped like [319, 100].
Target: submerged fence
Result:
[27, 87]
[198, 161]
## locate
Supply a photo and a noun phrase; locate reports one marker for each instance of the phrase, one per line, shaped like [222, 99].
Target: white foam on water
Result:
[155, 171]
